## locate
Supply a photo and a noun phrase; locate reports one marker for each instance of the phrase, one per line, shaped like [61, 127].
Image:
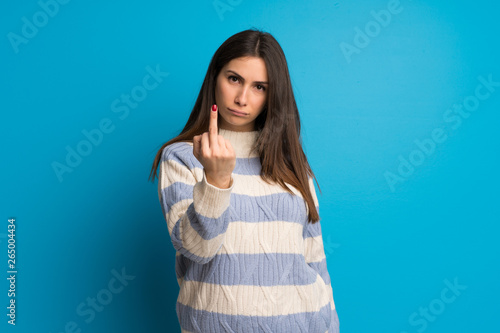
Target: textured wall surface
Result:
[399, 103]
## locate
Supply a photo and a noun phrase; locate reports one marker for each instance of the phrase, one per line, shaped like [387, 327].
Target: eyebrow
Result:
[242, 79]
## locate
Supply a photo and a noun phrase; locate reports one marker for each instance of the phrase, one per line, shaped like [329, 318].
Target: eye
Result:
[232, 78]
[261, 87]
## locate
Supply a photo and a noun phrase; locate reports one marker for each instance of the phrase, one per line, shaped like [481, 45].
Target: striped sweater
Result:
[246, 258]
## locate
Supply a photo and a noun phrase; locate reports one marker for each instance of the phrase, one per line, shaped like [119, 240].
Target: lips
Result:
[239, 113]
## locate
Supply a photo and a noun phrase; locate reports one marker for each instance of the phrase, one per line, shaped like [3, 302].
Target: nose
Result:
[241, 96]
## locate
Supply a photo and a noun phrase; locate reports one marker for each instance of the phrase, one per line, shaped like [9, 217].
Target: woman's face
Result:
[241, 93]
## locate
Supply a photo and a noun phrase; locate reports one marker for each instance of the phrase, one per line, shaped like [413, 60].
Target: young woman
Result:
[237, 194]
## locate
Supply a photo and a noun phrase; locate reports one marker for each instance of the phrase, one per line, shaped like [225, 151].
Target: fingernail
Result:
[214, 107]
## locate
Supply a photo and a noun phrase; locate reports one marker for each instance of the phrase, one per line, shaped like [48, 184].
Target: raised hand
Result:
[215, 153]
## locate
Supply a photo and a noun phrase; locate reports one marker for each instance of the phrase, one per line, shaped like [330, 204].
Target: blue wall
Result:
[399, 124]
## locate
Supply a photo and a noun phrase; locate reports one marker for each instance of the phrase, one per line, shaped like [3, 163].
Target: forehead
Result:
[250, 68]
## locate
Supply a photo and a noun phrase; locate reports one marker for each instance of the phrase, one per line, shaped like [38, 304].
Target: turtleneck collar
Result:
[242, 142]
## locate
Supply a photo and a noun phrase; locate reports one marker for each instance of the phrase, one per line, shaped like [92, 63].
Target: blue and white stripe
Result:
[247, 260]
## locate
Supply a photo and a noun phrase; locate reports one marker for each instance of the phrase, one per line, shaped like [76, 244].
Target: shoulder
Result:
[180, 152]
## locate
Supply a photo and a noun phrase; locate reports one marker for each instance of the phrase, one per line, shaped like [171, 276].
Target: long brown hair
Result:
[278, 144]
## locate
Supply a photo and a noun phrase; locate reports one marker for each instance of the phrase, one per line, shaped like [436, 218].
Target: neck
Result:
[242, 142]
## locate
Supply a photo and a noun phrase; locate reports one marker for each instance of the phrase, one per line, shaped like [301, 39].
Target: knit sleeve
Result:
[196, 212]
[316, 258]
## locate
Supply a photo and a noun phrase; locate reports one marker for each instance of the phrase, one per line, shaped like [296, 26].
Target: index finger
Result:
[212, 128]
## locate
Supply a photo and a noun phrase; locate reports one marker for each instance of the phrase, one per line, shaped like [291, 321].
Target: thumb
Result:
[196, 145]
